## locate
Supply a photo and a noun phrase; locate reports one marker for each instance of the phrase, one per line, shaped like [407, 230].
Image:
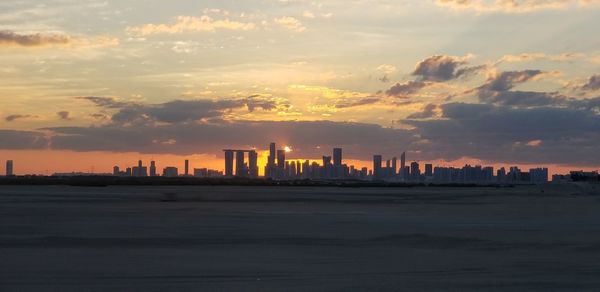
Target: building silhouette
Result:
[10, 171]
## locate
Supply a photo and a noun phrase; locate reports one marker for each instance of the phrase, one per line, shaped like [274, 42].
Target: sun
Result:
[287, 149]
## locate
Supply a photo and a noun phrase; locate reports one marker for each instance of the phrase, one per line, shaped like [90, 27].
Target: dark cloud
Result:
[441, 68]
[10, 38]
[309, 139]
[497, 90]
[507, 80]
[22, 140]
[348, 103]
[593, 83]
[501, 133]
[106, 102]
[12, 118]
[404, 90]
[427, 112]
[178, 111]
[522, 98]
[64, 115]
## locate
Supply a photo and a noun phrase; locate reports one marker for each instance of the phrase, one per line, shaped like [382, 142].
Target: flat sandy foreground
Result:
[59, 238]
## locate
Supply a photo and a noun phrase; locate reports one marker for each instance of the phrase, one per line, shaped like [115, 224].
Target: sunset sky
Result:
[87, 84]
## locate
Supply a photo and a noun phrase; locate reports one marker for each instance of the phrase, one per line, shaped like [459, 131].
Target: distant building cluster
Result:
[244, 164]
[331, 168]
[170, 171]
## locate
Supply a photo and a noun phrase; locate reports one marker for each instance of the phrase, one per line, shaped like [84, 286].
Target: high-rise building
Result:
[272, 154]
[170, 172]
[428, 170]
[253, 163]
[116, 171]
[240, 164]
[415, 171]
[403, 165]
[228, 163]
[394, 166]
[538, 175]
[281, 159]
[187, 167]
[153, 168]
[377, 166]
[337, 157]
[271, 168]
[10, 171]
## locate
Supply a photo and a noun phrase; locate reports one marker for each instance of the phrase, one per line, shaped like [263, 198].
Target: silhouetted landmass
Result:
[99, 181]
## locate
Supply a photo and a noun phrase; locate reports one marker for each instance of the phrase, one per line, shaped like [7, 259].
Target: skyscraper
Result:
[187, 167]
[428, 170]
[253, 163]
[415, 171]
[403, 164]
[272, 153]
[270, 168]
[394, 166]
[116, 171]
[377, 166]
[153, 168]
[337, 157]
[240, 164]
[281, 159]
[10, 168]
[228, 163]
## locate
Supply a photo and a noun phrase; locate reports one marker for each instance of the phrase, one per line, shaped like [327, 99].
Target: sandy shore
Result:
[299, 239]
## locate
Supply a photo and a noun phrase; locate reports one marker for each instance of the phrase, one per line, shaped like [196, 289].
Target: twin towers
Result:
[241, 168]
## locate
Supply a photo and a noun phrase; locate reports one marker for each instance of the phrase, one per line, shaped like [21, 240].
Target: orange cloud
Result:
[191, 24]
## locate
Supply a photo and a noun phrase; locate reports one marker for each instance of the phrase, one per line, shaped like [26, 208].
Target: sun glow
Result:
[287, 149]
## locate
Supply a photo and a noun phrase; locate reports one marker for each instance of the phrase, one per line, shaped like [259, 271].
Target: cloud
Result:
[308, 138]
[12, 118]
[441, 68]
[593, 83]
[22, 140]
[348, 103]
[497, 89]
[290, 23]
[405, 90]
[529, 57]
[563, 135]
[13, 39]
[178, 111]
[9, 38]
[508, 79]
[107, 102]
[513, 6]
[64, 115]
[427, 112]
[191, 24]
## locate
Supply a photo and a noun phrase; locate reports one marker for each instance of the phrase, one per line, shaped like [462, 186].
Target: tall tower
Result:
[272, 153]
[228, 163]
[377, 166]
[116, 171]
[10, 168]
[394, 166]
[270, 167]
[153, 168]
[187, 167]
[403, 172]
[281, 159]
[240, 164]
[337, 157]
[253, 163]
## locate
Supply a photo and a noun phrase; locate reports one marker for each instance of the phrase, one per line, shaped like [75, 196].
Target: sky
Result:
[89, 84]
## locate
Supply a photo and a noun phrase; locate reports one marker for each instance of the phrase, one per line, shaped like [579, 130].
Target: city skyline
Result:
[240, 163]
[483, 82]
